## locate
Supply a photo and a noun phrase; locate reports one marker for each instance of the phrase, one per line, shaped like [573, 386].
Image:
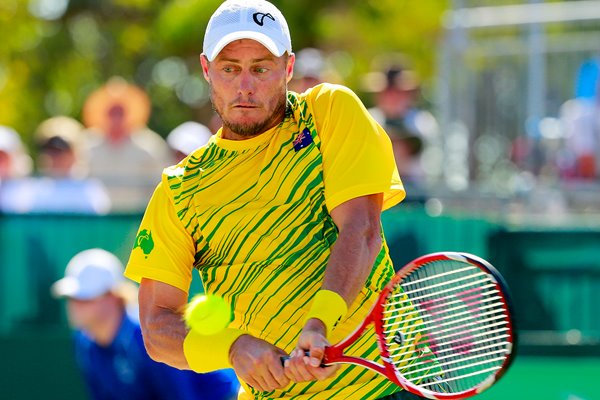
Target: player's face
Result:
[248, 87]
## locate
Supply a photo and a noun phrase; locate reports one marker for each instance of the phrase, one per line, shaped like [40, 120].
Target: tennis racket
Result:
[443, 325]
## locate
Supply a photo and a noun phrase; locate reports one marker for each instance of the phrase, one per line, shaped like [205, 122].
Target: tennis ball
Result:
[207, 314]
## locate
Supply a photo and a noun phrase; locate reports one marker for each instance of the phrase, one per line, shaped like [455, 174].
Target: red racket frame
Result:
[335, 353]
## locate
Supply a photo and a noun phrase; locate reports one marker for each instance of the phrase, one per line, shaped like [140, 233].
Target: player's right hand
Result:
[304, 364]
[258, 363]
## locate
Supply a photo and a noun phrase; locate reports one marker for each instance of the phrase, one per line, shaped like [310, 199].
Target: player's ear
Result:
[204, 62]
[291, 59]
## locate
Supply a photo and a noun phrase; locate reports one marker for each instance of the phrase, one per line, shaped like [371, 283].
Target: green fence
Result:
[34, 250]
[554, 276]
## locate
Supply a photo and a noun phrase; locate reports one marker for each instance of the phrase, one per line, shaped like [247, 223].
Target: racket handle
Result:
[306, 353]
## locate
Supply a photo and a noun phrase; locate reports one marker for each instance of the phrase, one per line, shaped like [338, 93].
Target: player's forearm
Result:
[164, 334]
[163, 328]
[350, 263]
[352, 258]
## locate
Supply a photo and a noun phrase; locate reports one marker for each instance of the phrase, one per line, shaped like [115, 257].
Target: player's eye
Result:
[261, 70]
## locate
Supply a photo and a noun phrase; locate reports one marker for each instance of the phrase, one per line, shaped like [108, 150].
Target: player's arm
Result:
[358, 244]
[350, 263]
[161, 307]
[163, 269]
[166, 339]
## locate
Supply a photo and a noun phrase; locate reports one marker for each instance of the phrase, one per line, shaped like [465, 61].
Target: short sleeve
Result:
[163, 249]
[358, 159]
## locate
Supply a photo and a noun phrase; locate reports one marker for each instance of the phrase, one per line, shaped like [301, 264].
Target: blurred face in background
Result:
[248, 87]
[91, 315]
[394, 102]
[57, 159]
[5, 165]
[117, 126]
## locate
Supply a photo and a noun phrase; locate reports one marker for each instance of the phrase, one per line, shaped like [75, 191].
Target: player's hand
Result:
[302, 368]
[258, 363]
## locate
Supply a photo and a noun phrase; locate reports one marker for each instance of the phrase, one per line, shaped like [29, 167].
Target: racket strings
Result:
[440, 276]
[449, 290]
[459, 318]
[484, 372]
[460, 329]
[419, 372]
[446, 326]
[473, 298]
[446, 283]
[410, 310]
[457, 321]
[440, 357]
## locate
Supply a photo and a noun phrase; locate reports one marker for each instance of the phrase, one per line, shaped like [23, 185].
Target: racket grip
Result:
[306, 353]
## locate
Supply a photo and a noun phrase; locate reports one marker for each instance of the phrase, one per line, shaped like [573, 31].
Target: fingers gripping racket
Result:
[443, 325]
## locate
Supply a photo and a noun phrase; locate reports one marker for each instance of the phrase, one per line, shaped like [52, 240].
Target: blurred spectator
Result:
[587, 83]
[186, 138]
[580, 119]
[15, 164]
[308, 70]
[125, 154]
[14, 160]
[60, 142]
[61, 186]
[396, 91]
[109, 346]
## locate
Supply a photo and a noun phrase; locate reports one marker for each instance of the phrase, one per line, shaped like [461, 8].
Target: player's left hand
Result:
[258, 363]
[301, 367]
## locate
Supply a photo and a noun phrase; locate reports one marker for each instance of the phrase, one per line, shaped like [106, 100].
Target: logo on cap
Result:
[259, 18]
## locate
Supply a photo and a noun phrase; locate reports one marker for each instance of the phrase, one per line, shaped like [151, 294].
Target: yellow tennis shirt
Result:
[253, 217]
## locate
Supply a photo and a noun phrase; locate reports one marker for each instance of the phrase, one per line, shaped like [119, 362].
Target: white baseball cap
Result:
[20, 164]
[247, 19]
[188, 136]
[10, 141]
[90, 274]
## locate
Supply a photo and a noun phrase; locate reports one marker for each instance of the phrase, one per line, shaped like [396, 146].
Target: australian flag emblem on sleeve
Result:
[303, 139]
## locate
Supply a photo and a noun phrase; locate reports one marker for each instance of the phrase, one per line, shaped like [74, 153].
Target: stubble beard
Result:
[254, 129]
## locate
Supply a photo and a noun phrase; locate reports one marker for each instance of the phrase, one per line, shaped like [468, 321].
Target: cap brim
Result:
[66, 287]
[71, 288]
[270, 44]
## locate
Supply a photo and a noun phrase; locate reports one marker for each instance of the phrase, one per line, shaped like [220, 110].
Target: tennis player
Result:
[280, 214]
